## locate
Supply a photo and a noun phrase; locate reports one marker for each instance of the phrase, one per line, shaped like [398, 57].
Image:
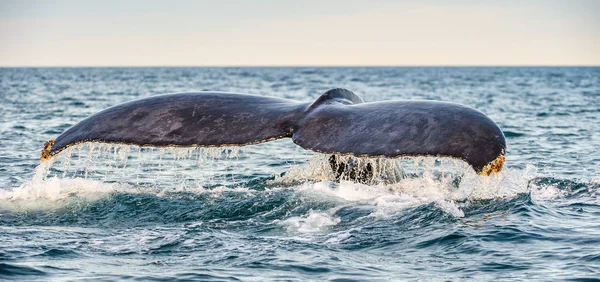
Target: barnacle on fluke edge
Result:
[46, 150]
[495, 166]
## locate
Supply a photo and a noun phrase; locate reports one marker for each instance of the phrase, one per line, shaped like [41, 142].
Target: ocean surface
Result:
[272, 212]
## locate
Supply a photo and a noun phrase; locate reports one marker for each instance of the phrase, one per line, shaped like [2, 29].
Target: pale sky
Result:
[298, 33]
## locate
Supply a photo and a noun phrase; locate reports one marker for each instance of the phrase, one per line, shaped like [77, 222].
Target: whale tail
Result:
[338, 122]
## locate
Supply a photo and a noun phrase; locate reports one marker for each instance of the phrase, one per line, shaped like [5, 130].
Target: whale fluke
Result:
[338, 122]
[186, 119]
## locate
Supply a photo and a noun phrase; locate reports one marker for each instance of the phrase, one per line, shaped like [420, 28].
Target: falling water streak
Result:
[210, 161]
[184, 165]
[448, 179]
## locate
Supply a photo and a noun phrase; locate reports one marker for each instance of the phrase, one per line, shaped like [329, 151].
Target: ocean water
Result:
[272, 212]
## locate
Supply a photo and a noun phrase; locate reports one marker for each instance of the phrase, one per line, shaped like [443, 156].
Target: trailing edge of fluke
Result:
[338, 122]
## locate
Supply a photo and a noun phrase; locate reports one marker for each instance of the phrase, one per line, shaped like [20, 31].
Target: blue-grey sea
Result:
[272, 211]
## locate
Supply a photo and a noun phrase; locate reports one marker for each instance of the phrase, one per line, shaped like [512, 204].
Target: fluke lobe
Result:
[338, 122]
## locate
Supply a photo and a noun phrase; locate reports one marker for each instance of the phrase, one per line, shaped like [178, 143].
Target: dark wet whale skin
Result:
[338, 122]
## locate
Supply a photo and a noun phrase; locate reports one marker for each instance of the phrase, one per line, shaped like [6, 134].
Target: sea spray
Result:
[146, 166]
[396, 184]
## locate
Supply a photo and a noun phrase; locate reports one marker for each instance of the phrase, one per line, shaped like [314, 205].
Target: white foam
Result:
[442, 191]
[44, 192]
[54, 193]
[387, 199]
[311, 222]
[346, 190]
[428, 185]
